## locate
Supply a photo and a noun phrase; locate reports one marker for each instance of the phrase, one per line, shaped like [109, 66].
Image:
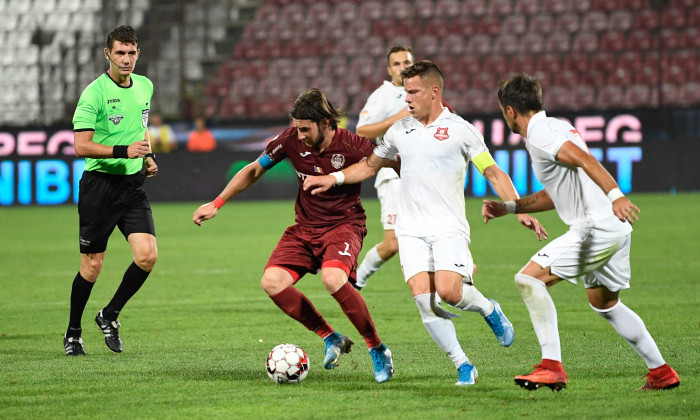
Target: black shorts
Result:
[106, 201]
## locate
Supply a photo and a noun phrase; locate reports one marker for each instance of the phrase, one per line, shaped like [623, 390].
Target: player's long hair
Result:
[522, 92]
[426, 69]
[314, 106]
[124, 34]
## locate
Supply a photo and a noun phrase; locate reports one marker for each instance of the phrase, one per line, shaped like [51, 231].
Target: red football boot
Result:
[662, 377]
[549, 373]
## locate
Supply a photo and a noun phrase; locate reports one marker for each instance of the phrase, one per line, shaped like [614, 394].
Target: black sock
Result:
[134, 277]
[80, 293]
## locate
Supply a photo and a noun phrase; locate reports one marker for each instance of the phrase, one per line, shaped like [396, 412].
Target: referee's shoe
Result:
[111, 331]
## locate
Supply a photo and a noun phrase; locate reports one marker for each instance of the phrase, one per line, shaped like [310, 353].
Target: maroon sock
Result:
[356, 310]
[293, 303]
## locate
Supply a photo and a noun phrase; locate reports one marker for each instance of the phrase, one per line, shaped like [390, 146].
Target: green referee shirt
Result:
[118, 115]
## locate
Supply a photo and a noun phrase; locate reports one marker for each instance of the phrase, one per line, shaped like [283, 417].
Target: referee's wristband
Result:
[510, 207]
[219, 202]
[150, 155]
[614, 194]
[120, 152]
[339, 177]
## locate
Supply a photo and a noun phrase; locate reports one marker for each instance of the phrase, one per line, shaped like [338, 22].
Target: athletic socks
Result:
[473, 301]
[369, 265]
[298, 307]
[543, 314]
[441, 330]
[631, 327]
[80, 293]
[356, 310]
[133, 279]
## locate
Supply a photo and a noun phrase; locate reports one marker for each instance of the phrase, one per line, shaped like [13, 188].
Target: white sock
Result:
[369, 265]
[631, 327]
[441, 330]
[543, 314]
[473, 301]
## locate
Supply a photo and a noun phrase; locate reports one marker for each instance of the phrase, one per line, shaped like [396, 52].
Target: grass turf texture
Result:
[197, 334]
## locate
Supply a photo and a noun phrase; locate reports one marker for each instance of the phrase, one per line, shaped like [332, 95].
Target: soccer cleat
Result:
[467, 374]
[542, 376]
[73, 346]
[660, 378]
[383, 363]
[500, 325]
[336, 344]
[111, 331]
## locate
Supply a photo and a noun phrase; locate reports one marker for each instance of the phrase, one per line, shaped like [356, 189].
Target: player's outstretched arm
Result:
[242, 180]
[503, 185]
[353, 174]
[573, 155]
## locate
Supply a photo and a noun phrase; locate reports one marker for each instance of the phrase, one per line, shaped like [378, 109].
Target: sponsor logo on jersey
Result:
[441, 134]
[304, 154]
[144, 117]
[112, 101]
[116, 119]
[410, 131]
[338, 161]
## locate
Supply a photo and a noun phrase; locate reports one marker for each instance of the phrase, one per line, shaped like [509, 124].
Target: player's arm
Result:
[85, 147]
[572, 155]
[372, 131]
[353, 174]
[540, 201]
[150, 161]
[503, 186]
[242, 180]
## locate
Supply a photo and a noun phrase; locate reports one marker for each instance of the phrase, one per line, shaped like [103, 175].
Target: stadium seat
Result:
[549, 63]
[568, 22]
[507, 43]
[556, 7]
[473, 8]
[612, 41]
[447, 8]
[532, 43]
[669, 38]
[425, 10]
[689, 94]
[583, 98]
[558, 42]
[620, 20]
[479, 44]
[647, 19]
[451, 45]
[639, 39]
[637, 96]
[541, 24]
[521, 63]
[371, 10]
[595, 20]
[584, 43]
[515, 24]
[527, 7]
[499, 8]
[610, 96]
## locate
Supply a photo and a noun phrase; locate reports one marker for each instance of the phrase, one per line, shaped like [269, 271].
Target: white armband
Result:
[339, 177]
[510, 207]
[614, 194]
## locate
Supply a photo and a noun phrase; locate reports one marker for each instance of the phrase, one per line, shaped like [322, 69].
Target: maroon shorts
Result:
[306, 249]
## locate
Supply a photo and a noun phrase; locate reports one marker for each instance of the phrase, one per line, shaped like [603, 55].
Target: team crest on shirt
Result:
[116, 119]
[338, 161]
[144, 117]
[441, 134]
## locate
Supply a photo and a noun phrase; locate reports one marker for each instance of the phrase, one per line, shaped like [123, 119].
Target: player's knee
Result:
[424, 307]
[91, 269]
[451, 295]
[146, 261]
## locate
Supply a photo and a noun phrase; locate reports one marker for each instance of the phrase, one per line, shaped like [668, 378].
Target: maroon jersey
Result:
[341, 202]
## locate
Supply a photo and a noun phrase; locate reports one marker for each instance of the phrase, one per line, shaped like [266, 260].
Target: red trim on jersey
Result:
[336, 264]
[295, 275]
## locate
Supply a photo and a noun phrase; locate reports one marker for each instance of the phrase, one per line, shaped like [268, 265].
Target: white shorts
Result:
[388, 194]
[431, 254]
[596, 261]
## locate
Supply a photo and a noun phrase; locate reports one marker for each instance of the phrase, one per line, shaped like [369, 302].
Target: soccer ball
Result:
[287, 363]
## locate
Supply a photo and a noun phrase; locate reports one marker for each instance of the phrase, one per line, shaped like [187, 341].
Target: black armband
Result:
[120, 152]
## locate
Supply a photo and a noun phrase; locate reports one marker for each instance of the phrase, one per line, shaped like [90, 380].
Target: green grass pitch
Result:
[197, 334]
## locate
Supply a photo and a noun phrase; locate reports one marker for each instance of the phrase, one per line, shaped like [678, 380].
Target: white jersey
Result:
[434, 161]
[387, 100]
[580, 202]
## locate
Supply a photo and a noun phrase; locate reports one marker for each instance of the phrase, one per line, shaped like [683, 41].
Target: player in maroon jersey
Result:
[328, 230]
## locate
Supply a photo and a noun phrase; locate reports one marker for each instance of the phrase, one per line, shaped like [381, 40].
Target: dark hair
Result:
[426, 69]
[395, 49]
[314, 106]
[124, 34]
[522, 92]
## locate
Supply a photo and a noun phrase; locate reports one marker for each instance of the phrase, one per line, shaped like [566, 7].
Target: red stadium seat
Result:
[647, 19]
[612, 41]
[447, 8]
[527, 7]
[610, 96]
[595, 20]
[507, 43]
[620, 20]
[584, 43]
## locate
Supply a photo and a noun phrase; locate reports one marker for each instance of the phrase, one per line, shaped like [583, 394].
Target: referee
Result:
[110, 125]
